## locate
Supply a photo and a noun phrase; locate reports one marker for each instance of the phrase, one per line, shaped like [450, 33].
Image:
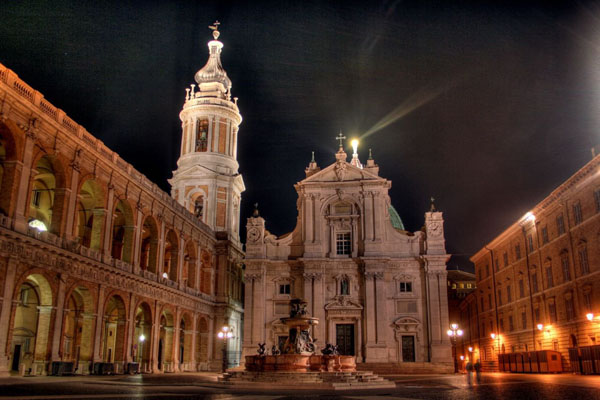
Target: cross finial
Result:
[215, 29]
[256, 213]
[312, 160]
[432, 208]
[341, 137]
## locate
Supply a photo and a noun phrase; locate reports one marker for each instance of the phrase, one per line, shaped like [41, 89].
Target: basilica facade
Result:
[100, 270]
[378, 291]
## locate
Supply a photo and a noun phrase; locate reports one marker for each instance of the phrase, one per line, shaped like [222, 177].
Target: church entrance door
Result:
[408, 349]
[344, 338]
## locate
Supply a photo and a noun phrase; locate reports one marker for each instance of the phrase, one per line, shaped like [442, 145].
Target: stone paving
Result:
[205, 386]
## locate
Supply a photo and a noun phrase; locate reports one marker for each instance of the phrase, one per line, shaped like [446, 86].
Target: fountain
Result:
[298, 352]
[296, 366]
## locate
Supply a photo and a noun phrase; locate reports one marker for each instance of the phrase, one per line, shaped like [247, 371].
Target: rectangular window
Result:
[497, 265]
[583, 260]
[499, 297]
[508, 294]
[597, 198]
[501, 324]
[536, 312]
[489, 301]
[578, 217]
[523, 319]
[481, 301]
[511, 325]
[505, 256]
[587, 301]
[405, 287]
[487, 270]
[560, 225]
[36, 198]
[552, 312]
[285, 289]
[518, 251]
[549, 278]
[564, 262]
[343, 243]
[534, 283]
[530, 243]
[570, 309]
[545, 235]
[521, 289]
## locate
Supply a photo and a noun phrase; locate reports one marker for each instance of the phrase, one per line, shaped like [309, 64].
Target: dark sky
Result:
[491, 104]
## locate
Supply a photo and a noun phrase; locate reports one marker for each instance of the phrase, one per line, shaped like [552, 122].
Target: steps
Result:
[406, 368]
[306, 380]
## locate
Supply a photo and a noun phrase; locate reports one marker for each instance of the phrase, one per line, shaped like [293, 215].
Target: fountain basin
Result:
[301, 363]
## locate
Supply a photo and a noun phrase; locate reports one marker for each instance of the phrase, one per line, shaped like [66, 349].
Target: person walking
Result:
[469, 373]
[477, 368]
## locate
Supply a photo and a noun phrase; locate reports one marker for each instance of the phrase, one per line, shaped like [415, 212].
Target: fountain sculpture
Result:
[298, 352]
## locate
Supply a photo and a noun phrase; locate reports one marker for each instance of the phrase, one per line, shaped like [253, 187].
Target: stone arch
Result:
[170, 259]
[186, 333]
[90, 214]
[78, 328]
[190, 265]
[202, 343]
[166, 337]
[149, 245]
[29, 348]
[197, 203]
[123, 229]
[142, 336]
[47, 196]
[9, 155]
[113, 335]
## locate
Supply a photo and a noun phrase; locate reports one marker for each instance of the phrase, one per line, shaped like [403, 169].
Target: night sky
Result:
[487, 106]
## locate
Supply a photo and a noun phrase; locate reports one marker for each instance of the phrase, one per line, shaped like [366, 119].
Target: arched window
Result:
[199, 207]
[201, 135]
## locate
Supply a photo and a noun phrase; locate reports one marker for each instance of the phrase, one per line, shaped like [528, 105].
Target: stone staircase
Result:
[306, 380]
[406, 368]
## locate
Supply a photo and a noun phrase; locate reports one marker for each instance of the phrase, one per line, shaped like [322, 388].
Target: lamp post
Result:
[226, 333]
[142, 338]
[496, 336]
[454, 333]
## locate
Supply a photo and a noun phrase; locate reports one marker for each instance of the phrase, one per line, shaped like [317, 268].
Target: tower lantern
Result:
[206, 181]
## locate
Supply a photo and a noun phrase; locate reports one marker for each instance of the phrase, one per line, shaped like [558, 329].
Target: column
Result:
[161, 249]
[72, 204]
[155, 338]
[180, 262]
[194, 365]
[22, 205]
[319, 306]
[5, 314]
[58, 319]
[369, 311]
[137, 238]
[308, 291]
[381, 309]
[368, 217]
[129, 339]
[176, 339]
[98, 218]
[106, 244]
[97, 356]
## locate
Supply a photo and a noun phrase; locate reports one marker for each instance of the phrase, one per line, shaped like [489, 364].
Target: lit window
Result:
[201, 135]
[405, 287]
[343, 243]
[285, 288]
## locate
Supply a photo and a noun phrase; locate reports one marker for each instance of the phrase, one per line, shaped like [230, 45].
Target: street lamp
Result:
[496, 336]
[590, 316]
[226, 333]
[454, 333]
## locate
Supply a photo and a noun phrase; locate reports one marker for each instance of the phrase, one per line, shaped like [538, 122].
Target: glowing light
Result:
[529, 217]
[142, 338]
[225, 328]
[37, 224]
[540, 326]
[220, 335]
[450, 332]
[454, 326]
[589, 316]
[165, 275]
[354, 144]
[462, 358]
[470, 349]
[229, 335]
[459, 332]
[493, 335]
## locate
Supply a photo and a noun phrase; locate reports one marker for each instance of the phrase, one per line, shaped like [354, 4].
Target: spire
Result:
[213, 71]
[313, 168]
[355, 161]
[371, 166]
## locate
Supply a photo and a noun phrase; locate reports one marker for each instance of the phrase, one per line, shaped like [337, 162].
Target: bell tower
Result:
[207, 181]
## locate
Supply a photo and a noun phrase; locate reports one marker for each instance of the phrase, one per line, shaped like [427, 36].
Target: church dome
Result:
[213, 70]
[395, 219]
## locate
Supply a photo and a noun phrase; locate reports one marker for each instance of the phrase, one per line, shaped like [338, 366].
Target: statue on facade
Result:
[275, 351]
[261, 349]
[330, 350]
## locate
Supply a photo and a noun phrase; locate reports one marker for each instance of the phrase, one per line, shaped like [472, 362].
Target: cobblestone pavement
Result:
[204, 386]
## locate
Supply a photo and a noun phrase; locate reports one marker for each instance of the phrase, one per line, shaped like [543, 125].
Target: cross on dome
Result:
[341, 137]
[215, 29]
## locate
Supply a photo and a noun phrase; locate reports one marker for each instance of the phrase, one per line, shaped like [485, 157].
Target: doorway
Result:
[16, 357]
[344, 339]
[408, 349]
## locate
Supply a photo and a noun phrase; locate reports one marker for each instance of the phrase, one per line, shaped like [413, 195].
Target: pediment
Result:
[343, 303]
[342, 171]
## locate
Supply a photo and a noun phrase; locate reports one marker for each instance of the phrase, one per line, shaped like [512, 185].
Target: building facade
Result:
[537, 281]
[97, 264]
[378, 291]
